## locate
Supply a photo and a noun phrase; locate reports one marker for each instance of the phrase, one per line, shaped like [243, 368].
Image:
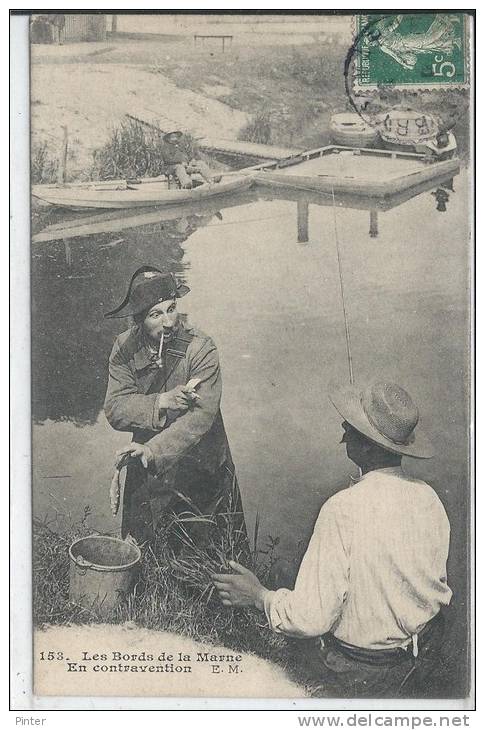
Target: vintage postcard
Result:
[251, 355]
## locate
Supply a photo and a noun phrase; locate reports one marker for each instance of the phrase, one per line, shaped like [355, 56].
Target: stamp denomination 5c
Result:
[415, 50]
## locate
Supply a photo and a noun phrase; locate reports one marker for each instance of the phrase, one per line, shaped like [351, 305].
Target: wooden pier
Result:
[251, 152]
[246, 149]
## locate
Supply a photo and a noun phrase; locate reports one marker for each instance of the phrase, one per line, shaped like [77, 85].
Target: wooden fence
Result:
[85, 27]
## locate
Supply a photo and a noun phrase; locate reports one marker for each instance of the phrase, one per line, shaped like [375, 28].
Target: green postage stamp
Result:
[421, 50]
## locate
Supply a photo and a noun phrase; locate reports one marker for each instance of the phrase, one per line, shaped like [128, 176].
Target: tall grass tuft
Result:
[51, 541]
[174, 590]
[134, 150]
[258, 129]
[43, 165]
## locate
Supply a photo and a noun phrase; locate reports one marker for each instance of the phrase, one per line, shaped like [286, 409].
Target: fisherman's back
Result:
[396, 532]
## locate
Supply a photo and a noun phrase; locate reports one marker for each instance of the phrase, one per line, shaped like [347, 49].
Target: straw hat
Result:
[152, 286]
[384, 413]
[172, 137]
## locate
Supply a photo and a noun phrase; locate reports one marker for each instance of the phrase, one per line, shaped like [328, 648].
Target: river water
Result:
[273, 307]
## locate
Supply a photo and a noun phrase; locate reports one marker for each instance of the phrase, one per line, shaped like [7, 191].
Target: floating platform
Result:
[369, 172]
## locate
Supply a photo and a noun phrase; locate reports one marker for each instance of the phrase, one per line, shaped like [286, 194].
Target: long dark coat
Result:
[192, 455]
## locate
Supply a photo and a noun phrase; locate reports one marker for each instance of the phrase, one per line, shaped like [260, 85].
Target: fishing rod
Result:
[339, 260]
[342, 293]
[144, 123]
[154, 126]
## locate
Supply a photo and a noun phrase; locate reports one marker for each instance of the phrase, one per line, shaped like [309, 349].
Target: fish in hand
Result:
[115, 488]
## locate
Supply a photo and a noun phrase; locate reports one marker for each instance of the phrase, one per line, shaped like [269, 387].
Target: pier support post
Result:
[61, 170]
[68, 252]
[302, 218]
[373, 224]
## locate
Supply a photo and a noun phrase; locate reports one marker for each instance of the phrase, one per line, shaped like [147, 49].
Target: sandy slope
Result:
[247, 677]
[89, 98]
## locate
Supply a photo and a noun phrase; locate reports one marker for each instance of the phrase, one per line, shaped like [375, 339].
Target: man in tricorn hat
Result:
[165, 387]
[179, 164]
[373, 579]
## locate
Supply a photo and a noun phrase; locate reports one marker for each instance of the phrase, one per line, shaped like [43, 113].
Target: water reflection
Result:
[74, 281]
[442, 199]
[81, 263]
[263, 274]
[51, 224]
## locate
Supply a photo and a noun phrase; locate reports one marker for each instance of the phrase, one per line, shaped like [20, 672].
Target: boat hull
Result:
[430, 147]
[353, 139]
[116, 195]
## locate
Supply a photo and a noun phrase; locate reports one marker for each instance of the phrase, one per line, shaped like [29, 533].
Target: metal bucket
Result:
[102, 570]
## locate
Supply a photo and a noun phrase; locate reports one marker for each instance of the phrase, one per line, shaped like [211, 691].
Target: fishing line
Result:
[249, 220]
[342, 293]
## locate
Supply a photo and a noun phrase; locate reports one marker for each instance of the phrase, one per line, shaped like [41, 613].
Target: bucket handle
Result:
[84, 566]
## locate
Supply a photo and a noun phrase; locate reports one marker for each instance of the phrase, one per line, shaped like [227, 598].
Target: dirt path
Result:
[179, 665]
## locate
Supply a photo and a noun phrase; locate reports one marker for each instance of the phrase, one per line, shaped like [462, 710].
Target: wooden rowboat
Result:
[138, 194]
[412, 131]
[370, 172]
[350, 130]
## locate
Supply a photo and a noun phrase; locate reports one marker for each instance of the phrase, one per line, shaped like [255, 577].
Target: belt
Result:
[383, 656]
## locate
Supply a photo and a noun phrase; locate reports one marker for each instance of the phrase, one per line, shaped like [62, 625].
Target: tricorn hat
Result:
[154, 286]
[384, 413]
[173, 136]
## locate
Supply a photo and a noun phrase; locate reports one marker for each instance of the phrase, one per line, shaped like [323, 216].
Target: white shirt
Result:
[374, 572]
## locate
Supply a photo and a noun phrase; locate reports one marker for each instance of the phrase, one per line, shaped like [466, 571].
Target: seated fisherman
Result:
[373, 579]
[179, 164]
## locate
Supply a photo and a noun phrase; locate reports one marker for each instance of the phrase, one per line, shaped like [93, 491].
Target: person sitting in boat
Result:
[180, 165]
[165, 387]
[373, 579]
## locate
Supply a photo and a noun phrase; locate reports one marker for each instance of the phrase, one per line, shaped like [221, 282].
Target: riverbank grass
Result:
[173, 591]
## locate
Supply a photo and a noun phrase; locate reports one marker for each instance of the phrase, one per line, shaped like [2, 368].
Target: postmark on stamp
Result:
[422, 50]
[407, 75]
